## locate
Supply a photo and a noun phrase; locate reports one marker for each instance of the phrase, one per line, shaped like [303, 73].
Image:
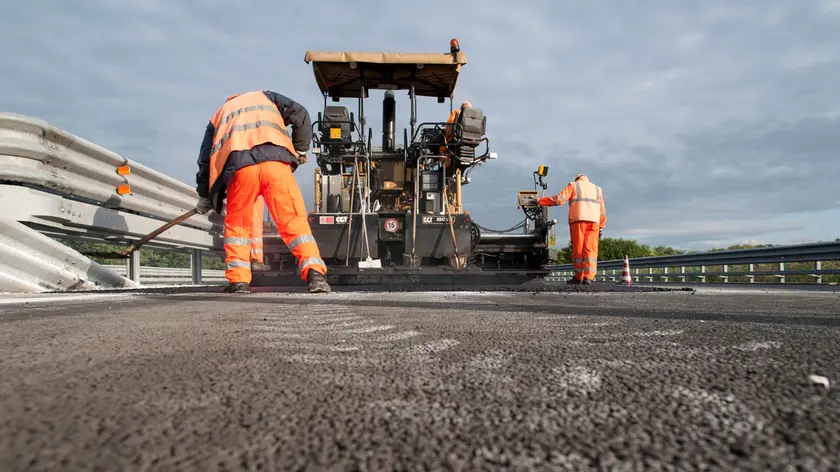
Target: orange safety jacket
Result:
[586, 202]
[242, 123]
[449, 134]
[452, 118]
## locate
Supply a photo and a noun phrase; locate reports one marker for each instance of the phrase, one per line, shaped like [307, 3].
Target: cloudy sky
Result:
[706, 123]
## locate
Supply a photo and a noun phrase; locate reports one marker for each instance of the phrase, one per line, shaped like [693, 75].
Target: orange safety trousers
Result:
[584, 236]
[273, 181]
[257, 230]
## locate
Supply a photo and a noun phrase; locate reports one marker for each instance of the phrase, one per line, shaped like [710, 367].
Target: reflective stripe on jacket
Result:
[242, 123]
[586, 202]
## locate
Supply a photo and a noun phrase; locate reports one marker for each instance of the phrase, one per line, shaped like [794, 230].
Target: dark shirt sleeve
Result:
[294, 114]
[202, 177]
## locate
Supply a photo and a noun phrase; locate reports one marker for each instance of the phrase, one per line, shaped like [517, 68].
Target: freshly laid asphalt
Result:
[528, 380]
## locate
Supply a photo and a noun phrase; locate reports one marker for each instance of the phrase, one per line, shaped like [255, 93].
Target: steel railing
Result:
[56, 184]
[170, 275]
[807, 263]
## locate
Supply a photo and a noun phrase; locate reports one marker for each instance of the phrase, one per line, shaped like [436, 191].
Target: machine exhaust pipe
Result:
[389, 119]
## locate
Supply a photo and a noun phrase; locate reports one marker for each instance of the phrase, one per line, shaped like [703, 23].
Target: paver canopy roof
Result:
[340, 74]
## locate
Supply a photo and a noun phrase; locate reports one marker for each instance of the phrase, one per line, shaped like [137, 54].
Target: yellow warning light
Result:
[542, 171]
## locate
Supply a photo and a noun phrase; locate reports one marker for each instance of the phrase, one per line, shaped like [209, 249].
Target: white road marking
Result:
[667, 332]
[579, 378]
[274, 336]
[432, 347]
[347, 361]
[369, 329]
[755, 346]
[494, 359]
[311, 323]
[344, 325]
[397, 336]
[313, 346]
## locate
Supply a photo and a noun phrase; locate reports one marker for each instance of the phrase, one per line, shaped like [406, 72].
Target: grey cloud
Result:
[697, 118]
[693, 201]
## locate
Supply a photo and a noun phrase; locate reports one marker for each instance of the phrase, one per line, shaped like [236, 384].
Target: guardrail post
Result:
[133, 266]
[195, 266]
[725, 277]
[818, 267]
[702, 271]
[781, 269]
[665, 277]
[683, 277]
[751, 277]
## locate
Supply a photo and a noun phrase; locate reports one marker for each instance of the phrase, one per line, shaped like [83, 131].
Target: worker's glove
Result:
[203, 206]
[301, 157]
[546, 201]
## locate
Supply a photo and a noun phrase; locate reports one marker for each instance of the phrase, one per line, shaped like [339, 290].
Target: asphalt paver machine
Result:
[393, 213]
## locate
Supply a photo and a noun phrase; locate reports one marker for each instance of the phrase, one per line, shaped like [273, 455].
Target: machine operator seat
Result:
[335, 127]
[335, 138]
[473, 126]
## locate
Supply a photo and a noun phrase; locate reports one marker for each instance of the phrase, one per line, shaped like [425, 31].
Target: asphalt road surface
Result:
[705, 380]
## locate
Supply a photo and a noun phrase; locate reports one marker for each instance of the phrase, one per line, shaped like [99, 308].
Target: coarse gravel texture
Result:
[445, 380]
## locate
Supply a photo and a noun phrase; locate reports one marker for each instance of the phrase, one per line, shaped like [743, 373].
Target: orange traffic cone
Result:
[625, 273]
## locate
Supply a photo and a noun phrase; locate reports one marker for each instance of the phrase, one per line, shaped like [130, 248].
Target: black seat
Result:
[333, 131]
[473, 126]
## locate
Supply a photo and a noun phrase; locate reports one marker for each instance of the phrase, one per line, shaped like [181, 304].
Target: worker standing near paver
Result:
[247, 152]
[587, 217]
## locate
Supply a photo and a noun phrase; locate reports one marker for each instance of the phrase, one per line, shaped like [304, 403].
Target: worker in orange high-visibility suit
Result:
[587, 217]
[247, 152]
[257, 260]
[450, 130]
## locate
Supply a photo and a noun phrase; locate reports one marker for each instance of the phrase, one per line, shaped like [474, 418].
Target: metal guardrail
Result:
[778, 256]
[39, 154]
[170, 275]
[57, 184]
[32, 262]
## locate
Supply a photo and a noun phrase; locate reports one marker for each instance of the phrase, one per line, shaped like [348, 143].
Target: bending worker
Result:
[247, 152]
[587, 217]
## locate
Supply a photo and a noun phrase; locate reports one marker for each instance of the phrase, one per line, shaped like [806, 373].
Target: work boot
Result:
[238, 287]
[587, 282]
[317, 282]
[573, 281]
[257, 266]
